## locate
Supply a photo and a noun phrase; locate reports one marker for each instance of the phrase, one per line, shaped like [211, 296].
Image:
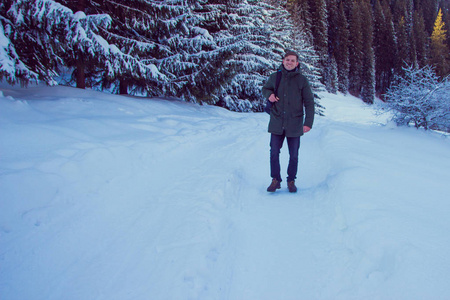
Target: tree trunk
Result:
[123, 87]
[81, 80]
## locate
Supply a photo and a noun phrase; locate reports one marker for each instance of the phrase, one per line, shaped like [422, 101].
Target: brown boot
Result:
[274, 185]
[291, 186]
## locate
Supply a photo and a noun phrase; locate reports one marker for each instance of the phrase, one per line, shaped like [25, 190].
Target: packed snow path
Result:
[112, 197]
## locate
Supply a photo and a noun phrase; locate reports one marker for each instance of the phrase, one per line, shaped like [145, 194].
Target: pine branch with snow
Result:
[49, 35]
[29, 48]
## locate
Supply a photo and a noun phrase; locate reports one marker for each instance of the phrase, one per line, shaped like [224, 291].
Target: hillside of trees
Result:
[220, 51]
[364, 45]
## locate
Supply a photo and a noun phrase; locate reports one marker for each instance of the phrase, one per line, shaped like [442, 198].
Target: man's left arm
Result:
[308, 102]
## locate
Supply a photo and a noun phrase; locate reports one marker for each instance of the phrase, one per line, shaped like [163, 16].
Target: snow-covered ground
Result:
[114, 197]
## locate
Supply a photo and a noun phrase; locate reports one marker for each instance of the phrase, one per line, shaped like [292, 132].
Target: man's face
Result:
[290, 62]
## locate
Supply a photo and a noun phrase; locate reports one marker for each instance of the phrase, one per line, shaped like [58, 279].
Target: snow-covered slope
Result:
[113, 197]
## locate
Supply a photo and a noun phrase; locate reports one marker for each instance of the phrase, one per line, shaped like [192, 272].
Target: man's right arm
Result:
[269, 87]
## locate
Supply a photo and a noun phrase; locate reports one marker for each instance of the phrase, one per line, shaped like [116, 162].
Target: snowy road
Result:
[108, 197]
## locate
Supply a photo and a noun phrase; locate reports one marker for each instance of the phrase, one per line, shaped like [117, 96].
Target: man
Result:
[289, 101]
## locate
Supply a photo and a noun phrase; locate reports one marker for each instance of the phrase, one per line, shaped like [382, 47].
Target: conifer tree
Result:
[355, 48]
[403, 52]
[403, 9]
[49, 35]
[409, 15]
[243, 52]
[301, 17]
[331, 75]
[420, 39]
[43, 33]
[203, 50]
[145, 31]
[445, 6]
[79, 62]
[17, 65]
[384, 47]
[319, 29]
[429, 9]
[379, 44]
[341, 51]
[256, 56]
[439, 49]
[368, 58]
[331, 69]
[405, 47]
[348, 6]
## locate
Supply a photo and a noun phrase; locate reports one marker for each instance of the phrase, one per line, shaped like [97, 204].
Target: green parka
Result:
[294, 94]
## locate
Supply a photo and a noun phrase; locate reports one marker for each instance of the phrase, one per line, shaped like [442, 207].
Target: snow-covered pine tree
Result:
[199, 52]
[221, 24]
[429, 10]
[403, 52]
[254, 59]
[331, 70]
[420, 39]
[445, 7]
[301, 17]
[402, 29]
[166, 35]
[34, 39]
[355, 48]
[79, 63]
[331, 75]
[48, 35]
[409, 17]
[368, 58]
[145, 31]
[399, 10]
[319, 30]
[341, 51]
[11, 67]
[384, 47]
[14, 67]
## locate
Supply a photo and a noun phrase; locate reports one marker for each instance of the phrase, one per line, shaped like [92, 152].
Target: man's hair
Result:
[290, 53]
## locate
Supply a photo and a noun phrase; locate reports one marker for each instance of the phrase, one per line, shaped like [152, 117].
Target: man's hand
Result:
[306, 129]
[273, 99]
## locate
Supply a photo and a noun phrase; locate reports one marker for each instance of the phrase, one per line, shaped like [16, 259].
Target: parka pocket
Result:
[275, 112]
[296, 121]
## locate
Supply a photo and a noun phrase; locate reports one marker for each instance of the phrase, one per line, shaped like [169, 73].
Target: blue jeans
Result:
[276, 142]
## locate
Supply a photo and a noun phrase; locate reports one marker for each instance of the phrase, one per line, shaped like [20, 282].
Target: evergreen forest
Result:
[221, 51]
